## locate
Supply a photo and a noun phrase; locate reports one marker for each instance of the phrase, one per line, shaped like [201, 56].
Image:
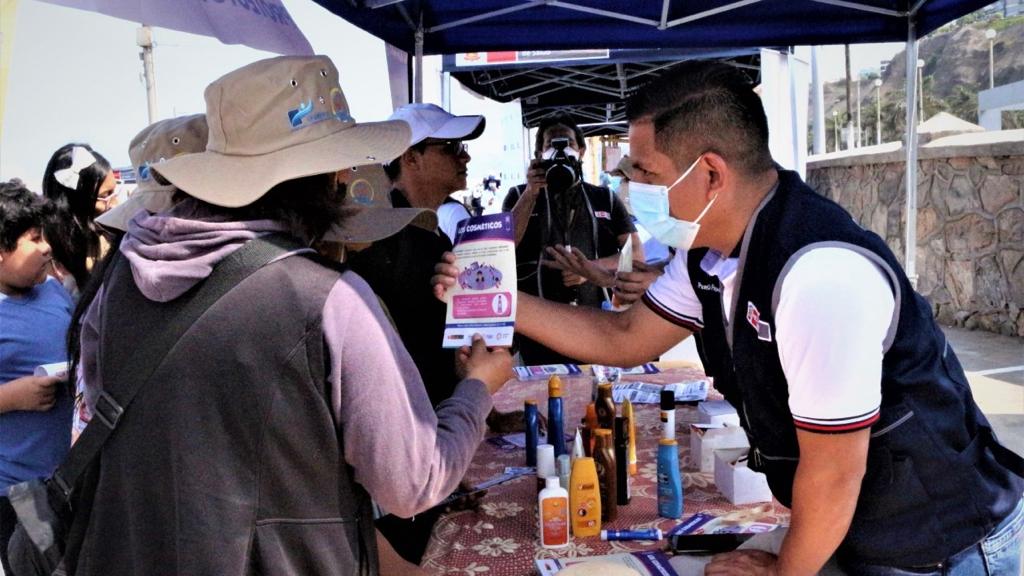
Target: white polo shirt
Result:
[834, 313]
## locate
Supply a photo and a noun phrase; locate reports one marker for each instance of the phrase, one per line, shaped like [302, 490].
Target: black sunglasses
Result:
[451, 147]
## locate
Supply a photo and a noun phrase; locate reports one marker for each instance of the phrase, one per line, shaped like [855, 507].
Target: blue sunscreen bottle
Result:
[670, 484]
[556, 429]
[532, 423]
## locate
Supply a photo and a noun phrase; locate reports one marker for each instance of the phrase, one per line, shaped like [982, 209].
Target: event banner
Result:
[483, 300]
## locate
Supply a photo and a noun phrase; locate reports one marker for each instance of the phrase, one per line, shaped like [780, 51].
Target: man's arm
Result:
[614, 338]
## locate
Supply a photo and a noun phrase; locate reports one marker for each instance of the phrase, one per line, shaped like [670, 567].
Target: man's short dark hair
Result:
[559, 119]
[20, 211]
[394, 168]
[700, 107]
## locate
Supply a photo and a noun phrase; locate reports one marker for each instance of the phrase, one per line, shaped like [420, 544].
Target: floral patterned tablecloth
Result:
[500, 538]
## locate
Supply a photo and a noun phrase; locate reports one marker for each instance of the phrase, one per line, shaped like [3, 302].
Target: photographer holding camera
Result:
[557, 210]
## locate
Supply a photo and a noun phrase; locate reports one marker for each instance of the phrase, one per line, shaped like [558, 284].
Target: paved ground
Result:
[995, 369]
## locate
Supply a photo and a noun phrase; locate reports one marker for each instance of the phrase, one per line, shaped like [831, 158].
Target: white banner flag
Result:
[261, 24]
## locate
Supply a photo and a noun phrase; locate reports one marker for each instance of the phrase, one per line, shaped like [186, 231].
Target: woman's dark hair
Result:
[560, 119]
[20, 211]
[72, 234]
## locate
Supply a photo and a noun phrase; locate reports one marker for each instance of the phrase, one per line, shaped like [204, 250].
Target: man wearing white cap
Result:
[251, 446]
[399, 268]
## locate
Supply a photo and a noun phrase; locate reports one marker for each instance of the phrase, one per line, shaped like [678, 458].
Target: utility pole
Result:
[859, 129]
[849, 102]
[817, 93]
[878, 111]
[144, 38]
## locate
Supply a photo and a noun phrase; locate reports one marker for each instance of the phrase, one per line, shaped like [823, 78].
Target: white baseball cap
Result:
[431, 121]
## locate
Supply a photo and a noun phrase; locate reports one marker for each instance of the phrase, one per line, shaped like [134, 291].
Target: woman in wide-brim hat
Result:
[253, 445]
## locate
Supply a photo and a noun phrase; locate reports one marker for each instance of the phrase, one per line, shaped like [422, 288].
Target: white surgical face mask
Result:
[651, 208]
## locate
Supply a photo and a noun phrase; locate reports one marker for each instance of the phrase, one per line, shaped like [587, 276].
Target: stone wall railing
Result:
[970, 224]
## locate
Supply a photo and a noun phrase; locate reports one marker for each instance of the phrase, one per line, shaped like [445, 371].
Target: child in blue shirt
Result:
[35, 411]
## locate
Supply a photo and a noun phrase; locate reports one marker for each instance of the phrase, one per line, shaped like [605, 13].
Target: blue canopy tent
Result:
[460, 26]
[592, 89]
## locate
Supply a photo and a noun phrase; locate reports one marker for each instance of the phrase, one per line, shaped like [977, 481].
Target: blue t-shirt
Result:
[33, 329]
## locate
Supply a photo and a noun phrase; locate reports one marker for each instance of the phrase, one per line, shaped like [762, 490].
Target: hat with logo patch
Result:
[157, 142]
[277, 120]
[370, 216]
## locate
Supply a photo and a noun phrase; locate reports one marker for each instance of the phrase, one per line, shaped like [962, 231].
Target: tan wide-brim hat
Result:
[157, 142]
[370, 216]
[277, 120]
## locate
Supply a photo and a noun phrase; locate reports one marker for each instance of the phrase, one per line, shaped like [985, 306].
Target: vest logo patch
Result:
[708, 287]
[764, 331]
[602, 214]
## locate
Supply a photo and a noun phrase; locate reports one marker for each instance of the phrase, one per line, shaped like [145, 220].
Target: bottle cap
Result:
[668, 399]
[604, 388]
[663, 442]
[531, 402]
[621, 428]
[603, 432]
[554, 387]
[545, 460]
[604, 534]
[552, 482]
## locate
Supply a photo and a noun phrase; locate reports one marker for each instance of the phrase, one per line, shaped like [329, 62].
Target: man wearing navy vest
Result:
[854, 403]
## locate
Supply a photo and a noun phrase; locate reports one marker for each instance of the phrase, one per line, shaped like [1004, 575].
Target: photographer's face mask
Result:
[651, 208]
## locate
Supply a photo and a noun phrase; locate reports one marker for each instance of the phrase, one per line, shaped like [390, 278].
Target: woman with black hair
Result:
[80, 183]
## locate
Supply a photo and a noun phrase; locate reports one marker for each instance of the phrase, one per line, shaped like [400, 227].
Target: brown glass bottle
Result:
[604, 460]
[605, 406]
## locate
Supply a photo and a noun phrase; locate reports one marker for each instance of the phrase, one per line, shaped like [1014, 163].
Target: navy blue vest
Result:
[934, 483]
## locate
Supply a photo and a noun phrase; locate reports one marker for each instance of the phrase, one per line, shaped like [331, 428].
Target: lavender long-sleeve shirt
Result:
[406, 455]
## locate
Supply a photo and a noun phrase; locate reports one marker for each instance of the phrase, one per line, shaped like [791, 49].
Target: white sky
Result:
[76, 76]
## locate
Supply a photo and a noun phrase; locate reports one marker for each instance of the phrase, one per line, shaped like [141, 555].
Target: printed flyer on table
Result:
[484, 298]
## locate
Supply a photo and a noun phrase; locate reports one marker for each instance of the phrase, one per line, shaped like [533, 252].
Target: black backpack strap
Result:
[148, 355]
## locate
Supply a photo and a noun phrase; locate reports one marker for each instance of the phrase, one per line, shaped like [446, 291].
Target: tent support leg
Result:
[910, 250]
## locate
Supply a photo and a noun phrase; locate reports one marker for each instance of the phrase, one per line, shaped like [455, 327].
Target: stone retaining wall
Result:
[970, 224]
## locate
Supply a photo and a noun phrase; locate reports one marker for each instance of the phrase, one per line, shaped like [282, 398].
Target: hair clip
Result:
[81, 159]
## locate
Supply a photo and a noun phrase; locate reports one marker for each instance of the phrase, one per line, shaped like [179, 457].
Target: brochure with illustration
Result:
[646, 563]
[646, 393]
[743, 521]
[483, 300]
[545, 371]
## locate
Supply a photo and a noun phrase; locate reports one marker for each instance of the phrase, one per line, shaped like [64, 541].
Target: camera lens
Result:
[560, 176]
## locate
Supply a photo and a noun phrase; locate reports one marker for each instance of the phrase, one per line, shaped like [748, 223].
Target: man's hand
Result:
[536, 179]
[577, 268]
[471, 501]
[630, 286]
[446, 273]
[492, 366]
[743, 563]
[30, 393]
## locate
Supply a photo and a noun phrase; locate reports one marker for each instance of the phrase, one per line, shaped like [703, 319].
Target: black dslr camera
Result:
[561, 171]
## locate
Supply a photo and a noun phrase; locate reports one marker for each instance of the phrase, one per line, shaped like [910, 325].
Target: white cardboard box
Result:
[736, 481]
[706, 438]
[717, 412]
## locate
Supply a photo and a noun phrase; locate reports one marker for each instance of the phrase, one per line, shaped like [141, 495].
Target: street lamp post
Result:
[835, 126]
[859, 130]
[920, 90]
[991, 35]
[878, 111]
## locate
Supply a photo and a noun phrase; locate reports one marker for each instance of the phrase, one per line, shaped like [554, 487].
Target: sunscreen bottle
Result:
[604, 461]
[556, 428]
[532, 425]
[668, 414]
[585, 499]
[622, 481]
[553, 506]
[605, 406]
[545, 464]
[670, 485]
[627, 412]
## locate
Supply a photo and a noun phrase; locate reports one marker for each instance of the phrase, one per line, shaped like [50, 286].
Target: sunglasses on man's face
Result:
[450, 147]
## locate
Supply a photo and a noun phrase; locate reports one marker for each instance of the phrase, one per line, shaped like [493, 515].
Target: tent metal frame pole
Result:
[486, 16]
[862, 7]
[599, 12]
[799, 166]
[910, 250]
[711, 12]
[820, 146]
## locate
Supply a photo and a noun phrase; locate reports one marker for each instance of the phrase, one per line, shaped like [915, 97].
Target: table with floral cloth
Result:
[500, 538]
